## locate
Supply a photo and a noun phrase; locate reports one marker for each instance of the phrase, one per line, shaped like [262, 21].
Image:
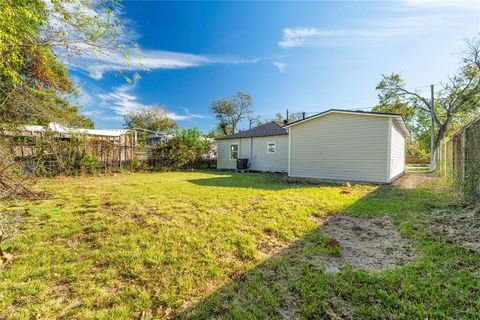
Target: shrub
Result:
[183, 150]
[89, 164]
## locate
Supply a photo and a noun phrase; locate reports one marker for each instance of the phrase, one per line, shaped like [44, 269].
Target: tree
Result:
[253, 121]
[418, 125]
[278, 118]
[36, 39]
[184, 149]
[457, 99]
[155, 118]
[213, 133]
[230, 112]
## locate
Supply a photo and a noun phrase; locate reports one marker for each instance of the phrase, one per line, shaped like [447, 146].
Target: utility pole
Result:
[432, 137]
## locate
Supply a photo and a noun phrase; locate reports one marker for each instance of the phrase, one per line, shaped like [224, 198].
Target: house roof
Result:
[397, 117]
[264, 130]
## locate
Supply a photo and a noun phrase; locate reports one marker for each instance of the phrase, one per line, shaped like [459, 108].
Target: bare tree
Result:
[230, 112]
[253, 121]
[457, 97]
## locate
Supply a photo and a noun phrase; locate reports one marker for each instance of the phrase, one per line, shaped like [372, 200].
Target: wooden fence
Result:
[417, 160]
[111, 152]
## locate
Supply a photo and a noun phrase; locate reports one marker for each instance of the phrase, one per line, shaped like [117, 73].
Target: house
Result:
[265, 146]
[335, 144]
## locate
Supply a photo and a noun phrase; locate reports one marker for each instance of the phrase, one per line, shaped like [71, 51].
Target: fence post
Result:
[463, 158]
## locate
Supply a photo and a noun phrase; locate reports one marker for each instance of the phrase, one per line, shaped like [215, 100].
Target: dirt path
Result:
[411, 181]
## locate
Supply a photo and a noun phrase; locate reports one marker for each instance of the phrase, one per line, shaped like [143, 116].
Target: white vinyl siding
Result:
[397, 153]
[261, 160]
[255, 150]
[342, 147]
[223, 154]
[245, 147]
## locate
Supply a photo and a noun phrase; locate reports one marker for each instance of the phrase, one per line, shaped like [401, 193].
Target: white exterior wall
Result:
[245, 148]
[397, 153]
[255, 149]
[223, 154]
[341, 147]
[273, 162]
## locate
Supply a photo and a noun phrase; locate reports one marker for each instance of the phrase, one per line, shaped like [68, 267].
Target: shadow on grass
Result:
[266, 181]
[293, 283]
[242, 180]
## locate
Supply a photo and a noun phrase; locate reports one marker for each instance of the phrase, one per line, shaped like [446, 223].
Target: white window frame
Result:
[275, 147]
[230, 151]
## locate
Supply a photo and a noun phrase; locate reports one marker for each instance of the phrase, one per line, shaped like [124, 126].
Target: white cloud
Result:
[99, 63]
[111, 118]
[122, 102]
[295, 37]
[84, 98]
[281, 66]
[91, 113]
[371, 32]
[119, 55]
[474, 4]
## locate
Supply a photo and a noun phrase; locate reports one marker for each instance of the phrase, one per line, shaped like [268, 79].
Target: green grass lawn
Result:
[222, 245]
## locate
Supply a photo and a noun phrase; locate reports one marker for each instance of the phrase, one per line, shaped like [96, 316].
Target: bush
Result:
[89, 164]
[184, 150]
[78, 154]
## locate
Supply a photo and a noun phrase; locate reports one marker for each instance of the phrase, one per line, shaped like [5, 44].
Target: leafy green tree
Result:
[153, 119]
[36, 38]
[278, 118]
[213, 133]
[184, 149]
[457, 100]
[230, 113]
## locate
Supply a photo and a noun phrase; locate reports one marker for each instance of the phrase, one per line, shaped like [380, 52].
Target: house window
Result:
[271, 147]
[234, 151]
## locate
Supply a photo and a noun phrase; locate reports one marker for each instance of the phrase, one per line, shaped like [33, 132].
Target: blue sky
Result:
[304, 56]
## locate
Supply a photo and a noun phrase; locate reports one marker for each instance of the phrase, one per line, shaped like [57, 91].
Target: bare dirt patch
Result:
[367, 244]
[411, 181]
[460, 226]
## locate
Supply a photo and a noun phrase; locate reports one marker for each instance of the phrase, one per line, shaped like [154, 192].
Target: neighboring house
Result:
[212, 151]
[265, 146]
[335, 144]
[153, 139]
